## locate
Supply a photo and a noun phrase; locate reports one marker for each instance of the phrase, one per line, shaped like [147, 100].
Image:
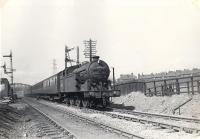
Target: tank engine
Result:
[84, 85]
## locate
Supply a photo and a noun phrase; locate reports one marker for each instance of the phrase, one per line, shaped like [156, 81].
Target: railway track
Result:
[164, 125]
[104, 126]
[48, 127]
[101, 125]
[8, 117]
[168, 117]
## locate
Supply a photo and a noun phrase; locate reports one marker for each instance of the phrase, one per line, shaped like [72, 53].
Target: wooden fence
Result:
[132, 86]
[162, 87]
[170, 86]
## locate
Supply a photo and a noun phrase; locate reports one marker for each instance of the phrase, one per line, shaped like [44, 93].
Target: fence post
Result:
[192, 85]
[198, 86]
[188, 87]
[126, 89]
[173, 88]
[155, 91]
[170, 89]
[145, 89]
[165, 87]
[177, 87]
[162, 89]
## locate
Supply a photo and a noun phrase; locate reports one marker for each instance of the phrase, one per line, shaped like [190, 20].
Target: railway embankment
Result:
[10, 117]
[19, 121]
[162, 105]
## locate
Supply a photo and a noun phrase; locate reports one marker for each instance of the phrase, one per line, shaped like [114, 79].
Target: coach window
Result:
[49, 82]
[52, 81]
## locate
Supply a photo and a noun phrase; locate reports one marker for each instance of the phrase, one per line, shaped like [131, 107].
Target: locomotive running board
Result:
[97, 94]
[100, 94]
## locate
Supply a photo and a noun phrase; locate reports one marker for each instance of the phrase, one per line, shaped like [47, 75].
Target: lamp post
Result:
[11, 66]
[113, 71]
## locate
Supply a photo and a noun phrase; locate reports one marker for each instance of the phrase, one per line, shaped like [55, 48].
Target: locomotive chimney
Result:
[95, 58]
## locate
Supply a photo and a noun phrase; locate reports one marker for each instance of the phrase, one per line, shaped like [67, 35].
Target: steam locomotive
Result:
[84, 85]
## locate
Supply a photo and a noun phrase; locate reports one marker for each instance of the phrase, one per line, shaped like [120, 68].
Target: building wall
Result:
[128, 87]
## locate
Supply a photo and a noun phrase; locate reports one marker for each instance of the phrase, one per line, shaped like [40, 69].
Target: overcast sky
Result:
[134, 36]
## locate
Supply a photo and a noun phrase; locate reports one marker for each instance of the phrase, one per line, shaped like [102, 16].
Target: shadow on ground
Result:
[121, 106]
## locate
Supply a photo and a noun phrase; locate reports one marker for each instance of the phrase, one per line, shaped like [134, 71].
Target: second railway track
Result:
[169, 117]
[49, 128]
[130, 116]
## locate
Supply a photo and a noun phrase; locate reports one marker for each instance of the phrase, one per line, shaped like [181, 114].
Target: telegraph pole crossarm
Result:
[90, 49]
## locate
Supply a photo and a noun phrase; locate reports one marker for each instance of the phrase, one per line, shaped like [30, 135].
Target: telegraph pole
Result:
[54, 66]
[11, 67]
[90, 49]
[90, 46]
[113, 77]
[77, 51]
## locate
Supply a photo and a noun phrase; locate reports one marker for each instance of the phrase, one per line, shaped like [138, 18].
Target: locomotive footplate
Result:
[100, 94]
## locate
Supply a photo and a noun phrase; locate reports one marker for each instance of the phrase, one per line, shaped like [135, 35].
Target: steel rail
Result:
[104, 126]
[160, 124]
[146, 121]
[170, 117]
[56, 124]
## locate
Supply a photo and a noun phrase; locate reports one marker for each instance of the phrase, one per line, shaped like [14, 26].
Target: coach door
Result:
[58, 82]
[62, 87]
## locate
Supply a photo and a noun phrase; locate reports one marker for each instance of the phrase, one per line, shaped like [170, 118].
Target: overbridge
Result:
[20, 89]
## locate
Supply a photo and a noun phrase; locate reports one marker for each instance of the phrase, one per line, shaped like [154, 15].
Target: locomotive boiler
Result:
[84, 85]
